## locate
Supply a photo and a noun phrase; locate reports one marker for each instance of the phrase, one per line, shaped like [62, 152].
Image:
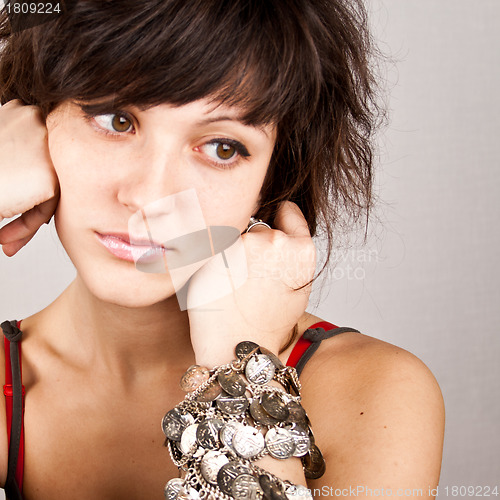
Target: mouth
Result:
[130, 249]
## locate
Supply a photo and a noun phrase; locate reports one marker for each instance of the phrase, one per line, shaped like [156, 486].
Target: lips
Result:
[187, 249]
[131, 249]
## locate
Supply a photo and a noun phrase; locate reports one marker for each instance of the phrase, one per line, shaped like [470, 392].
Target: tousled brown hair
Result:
[304, 65]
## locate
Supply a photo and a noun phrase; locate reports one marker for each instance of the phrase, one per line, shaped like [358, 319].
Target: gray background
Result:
[427, 278]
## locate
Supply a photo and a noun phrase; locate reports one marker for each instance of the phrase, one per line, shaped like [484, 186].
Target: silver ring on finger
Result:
[255, 222]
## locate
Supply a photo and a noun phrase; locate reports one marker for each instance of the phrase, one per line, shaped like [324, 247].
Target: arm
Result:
[268, 305]
[29, 189]
[264, 309]
[27, 177]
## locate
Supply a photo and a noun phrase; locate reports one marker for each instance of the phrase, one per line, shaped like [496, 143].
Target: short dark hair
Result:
[303, 65]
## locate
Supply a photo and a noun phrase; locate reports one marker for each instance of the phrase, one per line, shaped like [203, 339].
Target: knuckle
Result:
[292, 205]
[287, 204]
[278, 237]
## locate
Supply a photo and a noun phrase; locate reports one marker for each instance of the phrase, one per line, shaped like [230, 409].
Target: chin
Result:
[133, 297]
[121, 283]
[134, 290]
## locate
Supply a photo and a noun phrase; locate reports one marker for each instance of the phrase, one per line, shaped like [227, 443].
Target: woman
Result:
[139, 125]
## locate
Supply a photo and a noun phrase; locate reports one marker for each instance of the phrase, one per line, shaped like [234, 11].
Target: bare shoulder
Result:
[377, 413]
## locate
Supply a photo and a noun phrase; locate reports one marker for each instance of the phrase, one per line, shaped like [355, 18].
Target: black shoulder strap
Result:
[13, 335]
[316, 336]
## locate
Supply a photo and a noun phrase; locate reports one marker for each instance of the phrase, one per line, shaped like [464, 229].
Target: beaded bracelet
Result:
[230, 418]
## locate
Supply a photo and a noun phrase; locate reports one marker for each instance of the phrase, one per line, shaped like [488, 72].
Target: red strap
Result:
[8, 392]
[302, 344]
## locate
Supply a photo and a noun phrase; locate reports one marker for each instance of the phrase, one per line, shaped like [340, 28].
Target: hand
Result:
[29, 183]
[267, 306]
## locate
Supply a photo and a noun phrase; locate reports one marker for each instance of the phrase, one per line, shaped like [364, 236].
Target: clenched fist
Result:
[28, 182]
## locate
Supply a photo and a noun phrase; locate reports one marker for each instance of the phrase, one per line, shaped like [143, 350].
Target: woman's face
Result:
[175, 169]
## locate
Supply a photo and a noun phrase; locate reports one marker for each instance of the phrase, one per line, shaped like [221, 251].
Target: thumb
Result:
[291, 220]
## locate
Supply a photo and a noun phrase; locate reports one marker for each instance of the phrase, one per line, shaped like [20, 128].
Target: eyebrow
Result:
[108, 106]
[96, 108]
[223, 118]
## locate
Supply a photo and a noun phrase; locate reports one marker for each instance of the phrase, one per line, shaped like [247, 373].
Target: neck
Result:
[124, 341]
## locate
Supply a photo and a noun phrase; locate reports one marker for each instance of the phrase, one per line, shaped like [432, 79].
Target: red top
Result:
[302, 344]
[7, 390]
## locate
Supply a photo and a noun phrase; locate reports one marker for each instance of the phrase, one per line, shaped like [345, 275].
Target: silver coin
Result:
[211, 464]
[188, 493]
[245, 486]
[199, 452]
[228, 431]
[275, 406]
[228, 473]
[260, 415]
[207, 433]
[313, 463]
[271, 488]
[232, 405]
[188, 443]
[210, 393]
[296, 413]
[266, 483]
[172, 488]
[244, 348]
[277, 362]
[311, 435]
[248, 442]
[280, 443]
[194, 377]
[301, 438]
[260, 369]
[232, 383]
[174, 423]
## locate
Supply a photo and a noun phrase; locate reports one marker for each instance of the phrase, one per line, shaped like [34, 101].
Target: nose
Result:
[168, 218]
[158, 192]
[153, 174]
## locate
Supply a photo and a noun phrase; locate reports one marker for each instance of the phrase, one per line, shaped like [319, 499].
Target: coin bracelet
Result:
[231, 417]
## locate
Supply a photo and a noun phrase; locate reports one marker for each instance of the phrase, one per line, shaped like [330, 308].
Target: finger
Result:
[29, 223]
[10, 249]
[291, 220]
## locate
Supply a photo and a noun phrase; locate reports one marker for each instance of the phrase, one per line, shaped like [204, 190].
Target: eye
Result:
[115, 122]
[224, 152]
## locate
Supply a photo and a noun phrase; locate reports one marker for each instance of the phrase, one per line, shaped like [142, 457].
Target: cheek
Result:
[231, 203]
[78, 166]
